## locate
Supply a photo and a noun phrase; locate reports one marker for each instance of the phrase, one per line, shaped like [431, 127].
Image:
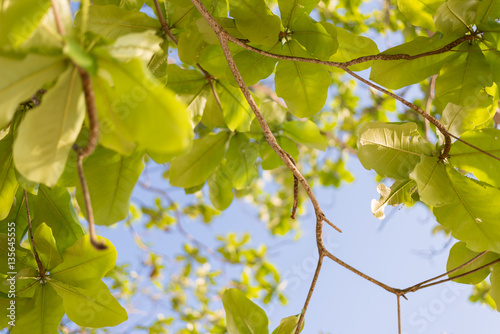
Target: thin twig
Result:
[164, 24]
[57, 19]
[359, 273]
[39, 263]
[88, 205]
[83, 152]
[398, 297]
[419, 287]
[428, 104]
[310, 293]
[295, 189]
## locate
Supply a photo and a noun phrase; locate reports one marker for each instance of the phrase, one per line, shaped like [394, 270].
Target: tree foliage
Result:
[224, 93]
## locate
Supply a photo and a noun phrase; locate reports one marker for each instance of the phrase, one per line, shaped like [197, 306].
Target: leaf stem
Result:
[88, 205]
[41, 270]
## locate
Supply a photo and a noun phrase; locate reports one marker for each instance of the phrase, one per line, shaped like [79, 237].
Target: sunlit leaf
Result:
[242, 315]
[194, 167]
[110, 192]
[460, 254]
[391, 149]
[47, 133]
[471, 217]
[484, 167]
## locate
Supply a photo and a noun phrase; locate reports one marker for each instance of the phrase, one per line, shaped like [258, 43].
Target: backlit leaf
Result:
[47, 133]
[242, 315]
[391, 149]
[194, 167]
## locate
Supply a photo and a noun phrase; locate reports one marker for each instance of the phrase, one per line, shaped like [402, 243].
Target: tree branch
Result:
[83, 152]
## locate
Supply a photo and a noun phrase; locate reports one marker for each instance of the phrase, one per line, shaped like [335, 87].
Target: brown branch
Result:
[83, 152]
[398, 297]
[295, 189]
[448, 272]
[309, 294]
[88, 205]
[163, 22]
[458, 276]
[402, 56]
[57, 19]
[39, 263]
[359, 273]
[428, 104]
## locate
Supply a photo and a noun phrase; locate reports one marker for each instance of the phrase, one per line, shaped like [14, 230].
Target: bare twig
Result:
[398, 297]
[163, 22]
[83, 152]
[310, 293]
[39, 263]
[88, 205]
[428, 104]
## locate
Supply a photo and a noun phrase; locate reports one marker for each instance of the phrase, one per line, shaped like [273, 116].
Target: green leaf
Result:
[391, 149]
[460, 254]
[351, 47]
[83, 265]
[23, 257]
[396, 74]
[142, 45]
[46, 246]
[47, 133]
[482, 166]
[41, 314]
[288, 9]
[17, 216]
[191, 87]
[127, 4]
[305, 132]
[91, 307]
[458, 119]
[134, 109]
[420, 12]
[240, 161]
[303, 86]
[399, 193]
[195, 39]
[471, 217]
[255, 20]
[22, 78]
[288, 325]
[314, 36]
[455, 16]
[194, 167]
[220, 189]
[79, 56]
[253, 67]
[110, 192]
[237, 112]
[461, 81]
[487, 9]
[112, 21]
[242, 315]
[53, 206]
[495, 285]
[8, 181]
[432, 182]
[18, 20]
